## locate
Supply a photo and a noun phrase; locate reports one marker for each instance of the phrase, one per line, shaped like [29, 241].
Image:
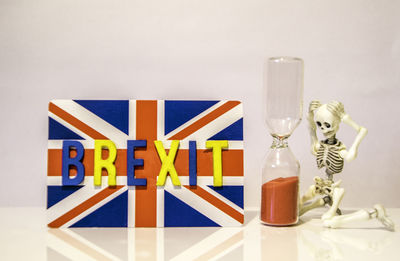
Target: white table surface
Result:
[24, 236]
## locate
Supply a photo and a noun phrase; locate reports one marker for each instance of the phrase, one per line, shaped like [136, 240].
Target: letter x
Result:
[167, 163]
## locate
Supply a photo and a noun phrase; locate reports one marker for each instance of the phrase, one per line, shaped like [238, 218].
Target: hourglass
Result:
[283, 113]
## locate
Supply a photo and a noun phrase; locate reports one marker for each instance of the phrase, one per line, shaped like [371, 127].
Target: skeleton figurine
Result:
[331, 154]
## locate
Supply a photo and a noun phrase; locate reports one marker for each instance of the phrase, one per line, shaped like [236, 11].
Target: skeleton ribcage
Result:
[328, 156]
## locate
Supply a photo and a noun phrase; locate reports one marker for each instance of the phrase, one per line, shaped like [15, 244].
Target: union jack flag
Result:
[86, 205]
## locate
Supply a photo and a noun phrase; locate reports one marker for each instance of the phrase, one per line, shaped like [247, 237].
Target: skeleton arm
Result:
[351, 154]
[312, 127]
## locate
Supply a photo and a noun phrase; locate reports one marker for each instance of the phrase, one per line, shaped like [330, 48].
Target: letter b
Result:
[76, 161]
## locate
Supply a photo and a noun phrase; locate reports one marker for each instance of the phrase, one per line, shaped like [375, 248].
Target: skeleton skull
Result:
[326, 121]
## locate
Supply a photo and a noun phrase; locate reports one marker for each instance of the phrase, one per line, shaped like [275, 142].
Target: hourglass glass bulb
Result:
[284, 95]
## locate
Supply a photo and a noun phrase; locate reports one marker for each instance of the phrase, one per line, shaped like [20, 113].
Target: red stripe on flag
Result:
[76, 123]
[84, 206]
[146, 196]
[54, 162]
[205, 120]
[217, 202]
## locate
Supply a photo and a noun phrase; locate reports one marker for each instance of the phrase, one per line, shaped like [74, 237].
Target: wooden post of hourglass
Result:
[283, 113]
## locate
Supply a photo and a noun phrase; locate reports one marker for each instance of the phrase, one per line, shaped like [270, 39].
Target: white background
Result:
[205, 49]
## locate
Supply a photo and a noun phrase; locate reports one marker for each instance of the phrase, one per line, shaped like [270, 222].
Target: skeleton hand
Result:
[315, 104]
[312, 126]
[337, 108]
[311, 108]
[324, 186]
[319, 184]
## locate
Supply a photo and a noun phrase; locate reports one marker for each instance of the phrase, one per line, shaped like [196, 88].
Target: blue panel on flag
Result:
[114, 112]
[57, 131]
[112, 214]
[232, 132]
[180, 214]
[232, 193]
[179, 112]
[57, 193]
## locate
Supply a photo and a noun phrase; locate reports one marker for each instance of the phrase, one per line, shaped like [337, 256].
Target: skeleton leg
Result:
[315, 204]
[328, 200]
[337, 197]
[338, 221]
[379, 213]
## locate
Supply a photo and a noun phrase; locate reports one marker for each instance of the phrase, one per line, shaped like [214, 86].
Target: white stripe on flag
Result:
[122, 180]
[131, 205]
[132, 120]
[76, 198]
[96, 206]
[223, 199]
[191, 121]
[160, 206]
[87, 181]
[92, 120]
[201, 145]
[216, 125]
[69, 126]
[209, 180]
[57, 144]
[160, 120]
[201, 205]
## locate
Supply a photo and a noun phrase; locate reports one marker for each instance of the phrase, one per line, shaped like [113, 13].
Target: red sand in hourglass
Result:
[279, 204]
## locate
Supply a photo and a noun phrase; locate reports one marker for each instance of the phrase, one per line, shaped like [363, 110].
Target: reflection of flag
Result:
[149, 206]
[152, 244]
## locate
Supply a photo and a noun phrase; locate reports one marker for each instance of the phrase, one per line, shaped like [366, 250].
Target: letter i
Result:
[192, 163]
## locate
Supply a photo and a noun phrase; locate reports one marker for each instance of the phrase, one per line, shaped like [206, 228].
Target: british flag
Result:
[86, 205]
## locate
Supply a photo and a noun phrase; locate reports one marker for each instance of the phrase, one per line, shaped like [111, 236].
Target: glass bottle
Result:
[283, 113]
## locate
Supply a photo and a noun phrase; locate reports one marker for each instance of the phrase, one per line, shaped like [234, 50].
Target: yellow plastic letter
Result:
[167, 162]
[217, 146]
[108, 164]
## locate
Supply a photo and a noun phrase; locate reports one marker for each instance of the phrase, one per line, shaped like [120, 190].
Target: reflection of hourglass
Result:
[283, 112]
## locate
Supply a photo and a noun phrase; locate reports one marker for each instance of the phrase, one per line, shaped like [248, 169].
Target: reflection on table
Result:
[24, 236]
[306, 241]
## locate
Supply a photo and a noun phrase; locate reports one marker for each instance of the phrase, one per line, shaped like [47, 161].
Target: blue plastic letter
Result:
[76, 161]
[192, 163]
[132, 162]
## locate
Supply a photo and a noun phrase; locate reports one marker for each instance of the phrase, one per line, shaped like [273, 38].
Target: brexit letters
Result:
[167, 162]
